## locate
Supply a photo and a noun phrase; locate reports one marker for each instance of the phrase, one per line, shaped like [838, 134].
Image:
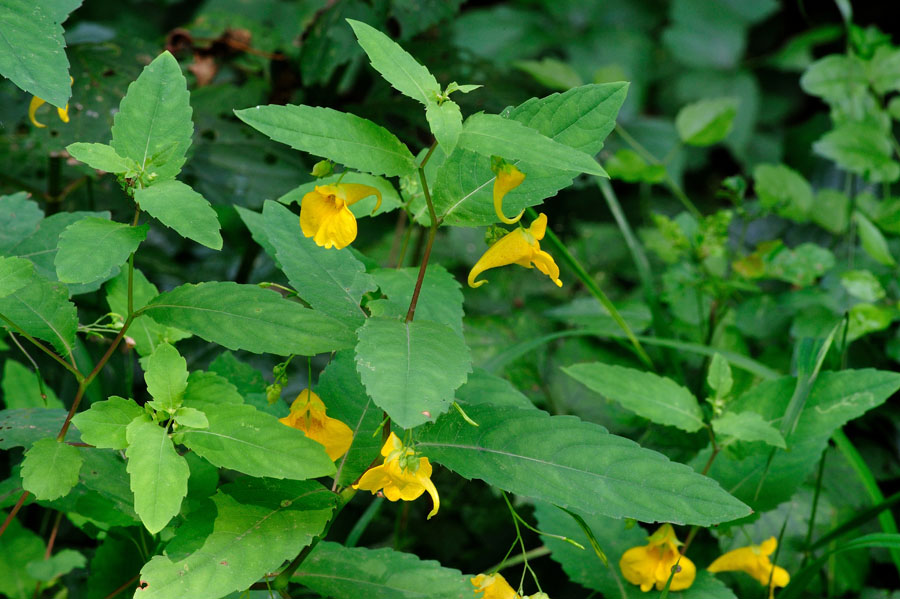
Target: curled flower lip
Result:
[308, 415]
[508, 178]
[325, 213]
[518, 247]
[754, 560]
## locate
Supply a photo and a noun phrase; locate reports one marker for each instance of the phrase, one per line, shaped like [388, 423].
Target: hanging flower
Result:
[494, 586]
[325, 213]
[651, 564]
[403, 475]
[754, 560]
[508, 178]
[518, 247]
[38, 102]
[308, 415]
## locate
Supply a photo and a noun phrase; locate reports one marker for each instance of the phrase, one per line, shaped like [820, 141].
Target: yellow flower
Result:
[403, 475]
[325, 214]
[518, 247]
[494, 586]
[754, 560]
[651, 564]
[38, 102]
[308, 415]
[508, 177]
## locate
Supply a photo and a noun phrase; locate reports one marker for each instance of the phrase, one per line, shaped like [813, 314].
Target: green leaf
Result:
[24, 426]
[440, 298]
[863, 285]
[247, 317]
[20, 218]
[191, 417]
[411, 369]
[178, 206]
[250, 528]
[50, 468]
[153, 125]
[656, 398]
[19, 547]
[748, 426]
[107, 243]
[719, 376]
[483, 387]
[835, 78]
[629, 166]
[56, 565]
[104, 424]
[15, 273]
[333, 570]
[445, 121]
[32, 53]
[831, 211]
[860, 148]
[159, 475]
[166, 377]
[706, 122]
[873, 242]
[551, 73]
[22, 388]
[884, 69]
[330, 281]
[491, 134]
[99, 156]
[43, 310]
[242, 438]
[345, 138]
[249, 382]
[783, 190]
[396, 65]
[869, 318]
[117, 559]
[576, 465]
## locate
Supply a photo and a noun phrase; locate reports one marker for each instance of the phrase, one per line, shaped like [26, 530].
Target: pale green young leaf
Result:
[92, 249]
[411, 369]
[551, 73]
[42, 309]
[706, 122]
[100, 156]
[330, 281]
[491, 134]
[835, 77]
[15, 273]
[247, 530]
[250, 318]
[395, 64]
[32, 51]
[20, 217]
[104, 423]
[345, 138]
[719, 376]
[191, 417]
[332, 570]
[179, 207]
[869, 318]
[576, 465]
[153, 125]
[860, 148]
[831, 211]
[863, 284]
[56, 565]
[873, 242]
[784, 191]
[440, 298]
[166, 378]
[50, 468]
[651, 396]
[22, 389]
[884, 69]
[629, 166]
[159, 475]
[446, 123]
[748, 426]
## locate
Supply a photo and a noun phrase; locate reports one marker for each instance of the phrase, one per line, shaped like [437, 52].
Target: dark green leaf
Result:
[20, 218]
[873, 242]
[178, 206]
[440, 298]
[56, 565]
[22, 389]
[42, 309]
[108, 244]
[23, 427]
[15, 273]
[706, 122]
[748, 426]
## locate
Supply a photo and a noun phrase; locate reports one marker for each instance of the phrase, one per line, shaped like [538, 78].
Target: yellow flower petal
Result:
[754, 560]
[308, 414]
[354, 192]
[508, 178]
[374, 479]
[651, 564]
[518, 247]
[326, 218]
[397, 481]
[493, 586]
[32, 109]
[63, 113]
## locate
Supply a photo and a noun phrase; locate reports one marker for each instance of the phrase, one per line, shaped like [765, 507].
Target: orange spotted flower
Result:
[518, 247]
[494, 586]
[754, 560]
[403, 475]
[308, 415]
[652, 564]
[325, 213]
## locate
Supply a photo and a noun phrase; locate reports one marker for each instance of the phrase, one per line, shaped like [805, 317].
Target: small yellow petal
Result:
[337, 438]
[539, 226]
[424, 476]
[373, 479]
[63, 113]
[493, 586]
[508, 178]
[32, 109]
[546, 265]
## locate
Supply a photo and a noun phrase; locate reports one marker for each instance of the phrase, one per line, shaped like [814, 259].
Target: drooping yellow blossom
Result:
[308, 415]
[325, 214]
[494, 586]
[38, 102]
[403, 475]
[518, 247]
[651, 564]
[508, 178]
[754, 560]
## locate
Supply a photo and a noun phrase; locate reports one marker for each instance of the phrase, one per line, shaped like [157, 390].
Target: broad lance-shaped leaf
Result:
[92, 249]
[249, 318]
[576, 465]
[332, 570]
[345, 138]
[15, 273]
[153, 126]
[32, 51]
[159, 476]
[440, 298]
[176, 205]
[329, 281]
[445, 120]
[43, 310]
[22, 427]
[491, 134]
[248, 529]
[166, 378]
[656, 398]
[706, 122]
[20, 217]
[104, 423]
[581, 118]
[396, 65]
[747, 426]
[101, 157]
[50, 468]
[411, 369]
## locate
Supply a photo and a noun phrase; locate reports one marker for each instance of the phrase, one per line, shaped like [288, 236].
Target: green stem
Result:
[522, 557]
